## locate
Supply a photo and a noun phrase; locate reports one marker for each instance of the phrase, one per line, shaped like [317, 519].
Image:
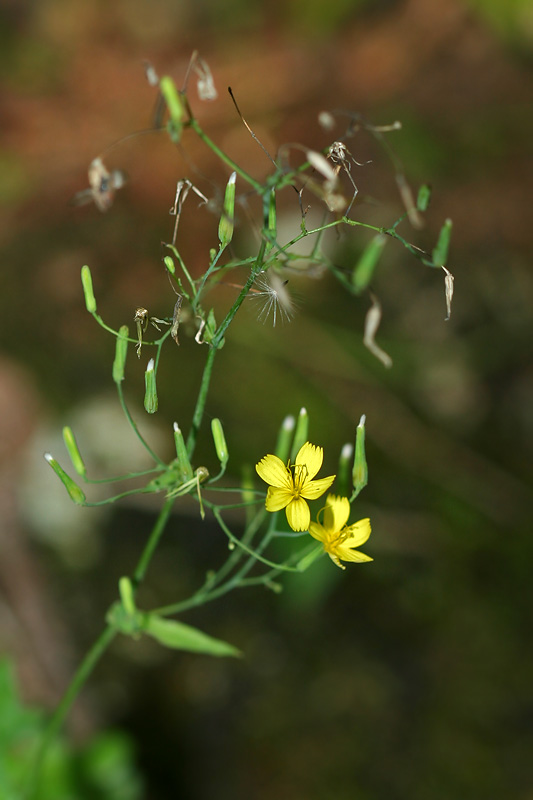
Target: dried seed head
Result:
[272, 292]
[205, 83]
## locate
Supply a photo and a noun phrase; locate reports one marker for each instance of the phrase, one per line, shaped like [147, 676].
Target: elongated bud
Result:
[344, 477]
[424, 196]
[121, 351]
[225, 226]
[360, 469]
[150, 393]
[364, 269]
[172, 99]
[220, 442]
[73, 451]
[87, 283]
[272, 217]
[440, 252]
[181, 452]
[75, 493]
[301, 432]
[283, 444]
[169, 264]
[125, 589]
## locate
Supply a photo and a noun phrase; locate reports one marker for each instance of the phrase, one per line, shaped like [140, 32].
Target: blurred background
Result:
[406, 678]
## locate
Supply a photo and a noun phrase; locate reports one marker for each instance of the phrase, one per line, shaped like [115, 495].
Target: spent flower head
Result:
[290, 485]
[275, 298]
[338, 539]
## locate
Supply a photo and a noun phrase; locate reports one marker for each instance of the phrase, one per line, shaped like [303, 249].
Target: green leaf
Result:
[179, 636]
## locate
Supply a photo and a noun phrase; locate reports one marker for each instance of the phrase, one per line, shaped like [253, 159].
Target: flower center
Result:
[299, 478]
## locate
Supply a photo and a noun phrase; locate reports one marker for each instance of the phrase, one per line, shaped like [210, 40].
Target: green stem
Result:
[85, 669]
[133, 424]
[223, 157]
[153, 541]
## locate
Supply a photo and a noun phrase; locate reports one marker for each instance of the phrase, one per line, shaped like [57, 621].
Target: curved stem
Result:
[84, 670]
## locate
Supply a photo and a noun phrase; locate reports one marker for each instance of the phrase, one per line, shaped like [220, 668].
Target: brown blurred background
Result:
[406, 678]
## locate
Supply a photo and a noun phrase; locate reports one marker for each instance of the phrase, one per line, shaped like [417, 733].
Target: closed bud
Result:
[344, 477]
[169, 264]
[125, 589]
[150, 388]
[301, 432]
[75, 493]
[440, 251]
[225, 226]
[424, 196]
[220, 442]
[73, 451]
[87, 283]
[283, 444]
[272, 217]
[121, 351]
[360, 469]
[172, 99]
[181, 452]
[364, 269]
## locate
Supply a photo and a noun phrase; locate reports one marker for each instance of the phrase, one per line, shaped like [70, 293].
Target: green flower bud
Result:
[364, 269]
[360, 469]
[172, 99]
[225, 226]
[126, 595]
[440, 252]
[121, 351]
[181, 452]
[76, 494]
[301, 432]
[73, 451]
[424, 196]
[272, 218]
[169, 264]
[150, 393]
[344, 477]
[220, 442]
[283, 444]
[87, 283]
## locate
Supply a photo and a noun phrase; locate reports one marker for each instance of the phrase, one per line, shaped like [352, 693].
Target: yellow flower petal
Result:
[274, 472]
[346, 554]
[358, 533]
[277, 498]
[311, 457]
[298, 515]
[317, 532]
[314, 489]
[336, 513]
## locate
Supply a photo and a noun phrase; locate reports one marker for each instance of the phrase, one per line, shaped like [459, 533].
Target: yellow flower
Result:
[290, 485]
[339, 539]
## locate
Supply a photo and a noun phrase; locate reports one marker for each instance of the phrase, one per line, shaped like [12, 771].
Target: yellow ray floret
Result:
[339, 539]
[290, 485]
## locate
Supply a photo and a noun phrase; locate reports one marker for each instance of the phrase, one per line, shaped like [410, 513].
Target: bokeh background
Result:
[410, 677]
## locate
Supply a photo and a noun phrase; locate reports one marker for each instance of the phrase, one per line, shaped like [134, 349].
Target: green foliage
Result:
[104, 769]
